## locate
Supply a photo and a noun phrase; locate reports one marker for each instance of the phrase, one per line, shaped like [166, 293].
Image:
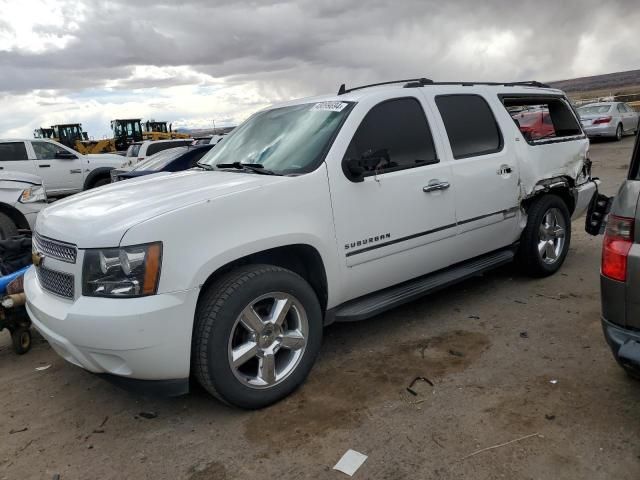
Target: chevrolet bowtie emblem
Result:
[37, 258]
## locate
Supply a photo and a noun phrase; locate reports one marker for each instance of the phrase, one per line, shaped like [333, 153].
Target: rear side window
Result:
[394, 135]
[544, 119]
[133, 150]
[12, 151]
[621, 108]
[471, 127]
[159, 146]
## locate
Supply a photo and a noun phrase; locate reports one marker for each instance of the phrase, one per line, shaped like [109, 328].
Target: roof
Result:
[440, 87]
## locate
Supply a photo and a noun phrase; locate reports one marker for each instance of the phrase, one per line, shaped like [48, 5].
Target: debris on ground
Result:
[502, 445]
[413, 382]
[549, 416]
[455, 353]
[474, 317]
[148, 415]
[524, 334]
[522, 302]
[56, 476]
[104, 421]
[12, 431]
[553, 381]
[350, 462]
[39, 369]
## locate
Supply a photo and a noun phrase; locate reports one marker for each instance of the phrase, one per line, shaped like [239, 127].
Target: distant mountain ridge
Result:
[608, 81]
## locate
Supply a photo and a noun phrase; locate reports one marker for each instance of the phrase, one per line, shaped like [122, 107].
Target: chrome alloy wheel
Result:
[268, 340]
[552, 236]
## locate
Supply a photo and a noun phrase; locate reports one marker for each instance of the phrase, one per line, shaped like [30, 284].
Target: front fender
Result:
[201, 237]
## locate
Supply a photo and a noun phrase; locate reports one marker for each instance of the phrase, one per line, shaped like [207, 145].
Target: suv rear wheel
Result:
[546, 238]
[257, 333]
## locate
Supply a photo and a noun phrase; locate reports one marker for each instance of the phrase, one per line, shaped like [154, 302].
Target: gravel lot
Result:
[491, 346]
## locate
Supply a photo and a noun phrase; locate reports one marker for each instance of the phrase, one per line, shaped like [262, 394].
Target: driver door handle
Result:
[435, 185]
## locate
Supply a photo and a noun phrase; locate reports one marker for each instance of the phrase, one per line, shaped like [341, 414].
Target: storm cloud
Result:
[192, 61]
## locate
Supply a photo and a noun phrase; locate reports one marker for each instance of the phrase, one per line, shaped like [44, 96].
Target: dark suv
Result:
[620, 272]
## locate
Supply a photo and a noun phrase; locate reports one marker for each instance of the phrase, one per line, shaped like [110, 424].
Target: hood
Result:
[100, 217]
[13, 176]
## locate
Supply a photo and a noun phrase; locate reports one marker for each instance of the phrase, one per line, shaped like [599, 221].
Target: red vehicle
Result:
[534, 125]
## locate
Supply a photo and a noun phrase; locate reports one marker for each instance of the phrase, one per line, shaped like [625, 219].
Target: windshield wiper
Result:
[204, 166]
[252, 167]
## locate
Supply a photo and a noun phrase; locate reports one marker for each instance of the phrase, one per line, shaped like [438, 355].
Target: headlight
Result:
[122, 272]
[33, 194]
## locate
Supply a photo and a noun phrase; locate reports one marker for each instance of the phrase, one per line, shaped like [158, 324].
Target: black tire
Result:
[218, 309]
[528, 253]
[101, 181]
[619, 132]
[7, 227]
[21, 340]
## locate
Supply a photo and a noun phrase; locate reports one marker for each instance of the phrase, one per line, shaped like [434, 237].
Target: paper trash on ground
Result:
[350, 462]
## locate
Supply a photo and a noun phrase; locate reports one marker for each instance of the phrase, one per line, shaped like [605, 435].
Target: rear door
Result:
[485, 172]
[15, 156]
[59, 167]
[394, 223]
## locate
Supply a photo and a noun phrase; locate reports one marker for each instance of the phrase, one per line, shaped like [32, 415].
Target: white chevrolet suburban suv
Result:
[63, 171]
[318, 210]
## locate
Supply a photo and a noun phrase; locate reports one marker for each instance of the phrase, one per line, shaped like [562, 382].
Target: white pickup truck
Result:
[324, 209]
[63, 171]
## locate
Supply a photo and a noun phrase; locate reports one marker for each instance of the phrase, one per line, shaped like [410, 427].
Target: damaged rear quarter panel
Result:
[564, 158]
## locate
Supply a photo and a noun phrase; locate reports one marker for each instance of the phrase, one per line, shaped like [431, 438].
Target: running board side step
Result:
[383, 300]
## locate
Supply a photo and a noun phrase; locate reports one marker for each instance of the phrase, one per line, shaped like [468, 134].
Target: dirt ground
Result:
[509, 357]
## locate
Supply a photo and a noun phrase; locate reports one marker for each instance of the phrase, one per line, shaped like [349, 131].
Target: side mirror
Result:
[64, 155]
[354, 170]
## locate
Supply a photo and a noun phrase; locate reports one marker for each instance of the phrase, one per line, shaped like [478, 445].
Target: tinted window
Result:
[11, 151]
[394, 135]
[471, 127]
[554, 117]
[621, 108]
[161, 159]
[156, 147]
[44, 150]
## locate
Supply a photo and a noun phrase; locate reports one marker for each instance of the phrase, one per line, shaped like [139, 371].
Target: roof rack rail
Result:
[421, 82]
[413, 81]
[528, 83]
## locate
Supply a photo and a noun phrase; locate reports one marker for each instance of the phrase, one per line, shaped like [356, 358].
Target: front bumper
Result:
[147, 338]
[600, 130]
[582, 195]
[624, 344]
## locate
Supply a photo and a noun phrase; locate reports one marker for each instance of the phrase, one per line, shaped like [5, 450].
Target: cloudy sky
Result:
[194, 61]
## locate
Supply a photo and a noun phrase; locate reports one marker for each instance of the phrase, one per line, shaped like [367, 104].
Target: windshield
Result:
[160, 159]
[285, 140]
[593, 109]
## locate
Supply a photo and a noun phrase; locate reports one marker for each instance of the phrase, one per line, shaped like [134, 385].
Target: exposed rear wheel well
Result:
[299, 258]
[563, 192]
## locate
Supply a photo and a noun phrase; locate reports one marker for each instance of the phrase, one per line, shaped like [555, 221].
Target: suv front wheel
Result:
[546, 238]
[257, 333]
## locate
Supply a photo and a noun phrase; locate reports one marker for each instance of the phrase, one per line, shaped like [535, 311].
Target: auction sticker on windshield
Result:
[329, 106]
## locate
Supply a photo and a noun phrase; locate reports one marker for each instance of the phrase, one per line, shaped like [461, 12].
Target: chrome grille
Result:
[58, 283]
[55, 249]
